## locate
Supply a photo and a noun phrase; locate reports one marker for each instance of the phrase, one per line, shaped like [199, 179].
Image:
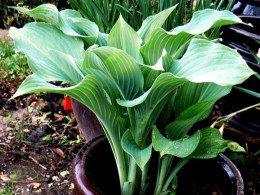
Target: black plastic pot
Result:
[246, 7]
[94, 172]
[237, 37]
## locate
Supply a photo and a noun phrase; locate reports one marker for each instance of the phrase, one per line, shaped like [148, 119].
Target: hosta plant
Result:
[147, 88]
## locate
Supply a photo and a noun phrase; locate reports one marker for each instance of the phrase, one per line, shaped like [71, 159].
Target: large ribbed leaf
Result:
[205, 61]
[176, 42]
[211, 144]
[89, 92]
[151, 106]
[51, 54]
[69, 21]
[153, 22]
[141, 156]
[193, 103]
[192, 93]
[180, 148]
[122, 36]
[72, 23]
[46, 12]
[160, 39]
[203, 20]
[121, 68]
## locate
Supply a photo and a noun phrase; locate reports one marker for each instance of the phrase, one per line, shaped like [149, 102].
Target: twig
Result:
[3, 144]
[37, 162]
[26, 181]
[12, 152]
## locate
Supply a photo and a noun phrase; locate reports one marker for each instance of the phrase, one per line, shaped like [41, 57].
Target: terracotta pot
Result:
[94, 172]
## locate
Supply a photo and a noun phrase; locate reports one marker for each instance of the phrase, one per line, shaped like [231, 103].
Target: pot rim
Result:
[85, 186]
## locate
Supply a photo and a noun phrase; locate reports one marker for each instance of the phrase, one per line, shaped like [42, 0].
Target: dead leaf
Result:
[58, 117]
[73, 121]
[5, 178]
[58, 152]
[34, 120]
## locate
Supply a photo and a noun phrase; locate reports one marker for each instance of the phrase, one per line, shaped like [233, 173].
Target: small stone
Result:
[8, 141]
[35, 185]
[26, 131]
[55, 178]
[29, 178]
[71, 186]
[9, 129]
[64, 173]
[39, 191]
[50, 185]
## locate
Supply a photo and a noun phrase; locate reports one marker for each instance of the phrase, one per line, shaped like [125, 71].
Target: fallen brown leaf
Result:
[58, 152]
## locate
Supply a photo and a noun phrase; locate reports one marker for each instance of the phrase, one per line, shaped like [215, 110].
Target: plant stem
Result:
[229, 116]
[144, 176]
[132, 175]
[178, 166]
[162, 173]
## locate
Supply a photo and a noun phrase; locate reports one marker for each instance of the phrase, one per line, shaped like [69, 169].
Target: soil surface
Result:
[28, 163]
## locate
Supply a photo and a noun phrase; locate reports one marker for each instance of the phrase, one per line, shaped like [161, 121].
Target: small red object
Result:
[67, 104]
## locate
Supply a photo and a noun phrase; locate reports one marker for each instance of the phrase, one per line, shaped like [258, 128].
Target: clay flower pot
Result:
[94, 173]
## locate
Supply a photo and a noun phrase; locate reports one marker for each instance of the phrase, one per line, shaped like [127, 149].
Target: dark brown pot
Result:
[87, 120]
[94, 172]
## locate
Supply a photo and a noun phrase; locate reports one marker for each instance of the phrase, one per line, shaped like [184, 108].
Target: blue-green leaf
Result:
[122, 36]
[180, 148]
[141, 156]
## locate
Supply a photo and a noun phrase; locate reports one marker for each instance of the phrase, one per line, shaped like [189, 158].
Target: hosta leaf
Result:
[202, 21]
[193, 103]
[69, 21]
[141, 156]
[46, 47]
[175, 45]
[46, 12]
[180, 148]
[176, 42]
[153, 22]
[205, 61]
[148, 111]
[192, 93]
[72, 23]
[121, 68]
[102, 39]
[182, 124]
[122, 36]
[211, 144]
